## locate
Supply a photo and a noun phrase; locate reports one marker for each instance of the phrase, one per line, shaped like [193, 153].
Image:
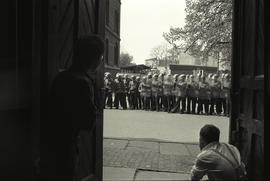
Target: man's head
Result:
[88, 53]
[209, 133]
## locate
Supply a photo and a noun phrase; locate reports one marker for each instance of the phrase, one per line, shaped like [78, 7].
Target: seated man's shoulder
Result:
[207, 155]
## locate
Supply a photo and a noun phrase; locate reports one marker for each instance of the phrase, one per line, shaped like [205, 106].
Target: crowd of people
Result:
[201, 94]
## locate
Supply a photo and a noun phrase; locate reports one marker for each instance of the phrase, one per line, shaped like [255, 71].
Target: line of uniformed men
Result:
[179, 93]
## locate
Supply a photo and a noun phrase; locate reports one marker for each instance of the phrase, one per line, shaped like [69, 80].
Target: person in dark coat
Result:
[72, 109]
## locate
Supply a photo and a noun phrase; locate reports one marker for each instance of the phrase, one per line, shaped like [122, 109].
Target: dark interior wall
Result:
[15, 91]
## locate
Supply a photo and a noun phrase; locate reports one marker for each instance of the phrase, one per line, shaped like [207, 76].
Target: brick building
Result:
[112, 36]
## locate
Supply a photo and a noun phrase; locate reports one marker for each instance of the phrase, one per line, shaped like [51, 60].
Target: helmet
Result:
[191, 76]
[222, 76]
[138, 78]
[214, 76]
[226, 75]
[182, 76]
[133, 77]
[175, 76]
[126, 75]
[144, 78]
[155, 75]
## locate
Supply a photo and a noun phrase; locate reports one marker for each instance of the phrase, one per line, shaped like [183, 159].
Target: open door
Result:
[67, 21]
[247, 118]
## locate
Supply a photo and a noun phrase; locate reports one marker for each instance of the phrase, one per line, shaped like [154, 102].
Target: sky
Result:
[143, 23]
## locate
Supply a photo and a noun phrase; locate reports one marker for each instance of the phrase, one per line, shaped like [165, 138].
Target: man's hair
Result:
[88, 49]
[210, 133]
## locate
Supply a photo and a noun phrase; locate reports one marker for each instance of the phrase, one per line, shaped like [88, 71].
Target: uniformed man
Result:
[127, 97]
[204, 96]
[159, 92]
[138, 96]
[209, 79]
[175, 79]
[181, 90]
[164, 98]
[108, 90]
[133, 92]
[149, 92]
[120, 93]
[143, 92]
[167, 92]
[215, 98]
[193, 92]
[154, 88]
[149, 102]
[226, 88]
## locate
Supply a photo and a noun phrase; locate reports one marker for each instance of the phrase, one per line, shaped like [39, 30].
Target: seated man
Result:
[219, 161]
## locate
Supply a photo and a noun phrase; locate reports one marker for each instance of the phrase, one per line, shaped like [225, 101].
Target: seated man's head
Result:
[209, 133]
[88, 53]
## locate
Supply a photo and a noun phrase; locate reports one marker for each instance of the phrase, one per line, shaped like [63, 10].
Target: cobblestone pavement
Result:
[148, 155]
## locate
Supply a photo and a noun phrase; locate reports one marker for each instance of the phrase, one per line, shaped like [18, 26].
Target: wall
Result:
[112, 35]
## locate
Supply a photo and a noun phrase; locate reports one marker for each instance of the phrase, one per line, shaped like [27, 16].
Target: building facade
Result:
[112, 36]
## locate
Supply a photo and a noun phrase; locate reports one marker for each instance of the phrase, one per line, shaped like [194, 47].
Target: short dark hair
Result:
[210, 133]
[88, 49]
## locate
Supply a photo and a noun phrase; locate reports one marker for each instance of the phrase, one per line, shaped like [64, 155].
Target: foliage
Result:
[125, 59]
[208, 29]
[165, 54]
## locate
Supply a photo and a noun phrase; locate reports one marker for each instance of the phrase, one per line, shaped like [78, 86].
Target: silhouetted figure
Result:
[72, 109]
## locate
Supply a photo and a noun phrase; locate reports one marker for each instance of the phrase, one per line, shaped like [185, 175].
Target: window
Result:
[107, 12]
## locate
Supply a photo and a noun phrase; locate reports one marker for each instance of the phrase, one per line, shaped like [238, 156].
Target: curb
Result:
[150, 140]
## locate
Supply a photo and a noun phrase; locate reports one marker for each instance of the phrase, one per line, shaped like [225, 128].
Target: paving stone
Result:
[173, 149]
[194, 149]
[149, 160]
[150, 175]
[152, 146]
[118, 174]
[115, 143]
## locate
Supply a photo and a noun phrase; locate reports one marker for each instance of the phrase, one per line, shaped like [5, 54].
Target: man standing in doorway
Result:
[72, 109]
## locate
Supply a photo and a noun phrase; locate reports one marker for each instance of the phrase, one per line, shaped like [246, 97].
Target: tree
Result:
[125, 59]
[208, 29]
[165, 54]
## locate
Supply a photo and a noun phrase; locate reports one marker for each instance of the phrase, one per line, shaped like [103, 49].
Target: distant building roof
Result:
[192, 67]
[135, 67]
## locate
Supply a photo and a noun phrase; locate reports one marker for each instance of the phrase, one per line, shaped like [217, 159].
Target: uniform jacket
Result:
[160, 87]
[126, 84]
[204, 91]
[148, 87]
[225, 89]
[108, 85]
[181, 89]
[215, 89]
[119, 87]
[155, 87]
[193, 89]
[133, 86]
[167, 87]
[143, 89]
